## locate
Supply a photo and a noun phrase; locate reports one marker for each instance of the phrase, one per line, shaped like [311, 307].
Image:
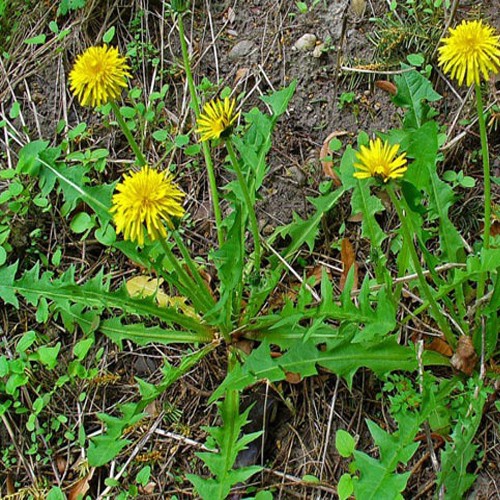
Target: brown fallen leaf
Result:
[244, 345]
[81, 487]
[293, 378]
[61, 464]
[495, 228]
[11, 489]
[348, 258]
[441, 346]
[465, 357]
[148, 489]
[317, 273]
[240, 74]
[325, 154]
[387, 86]
[356, 217]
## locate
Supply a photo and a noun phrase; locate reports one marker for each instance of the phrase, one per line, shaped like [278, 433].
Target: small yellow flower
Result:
[379, 160]
[470, 51]
[146, 199]
[98, 76]
[217, 119]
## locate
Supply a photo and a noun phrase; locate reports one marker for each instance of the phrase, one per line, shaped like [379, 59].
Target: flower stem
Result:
[192, 268]
[206, 148]
[408, 240]
[254, 227]
[141, 161]
[187, 283]
[487, 188]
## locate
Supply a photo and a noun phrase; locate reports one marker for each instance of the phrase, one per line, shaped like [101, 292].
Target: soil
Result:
[250, 46]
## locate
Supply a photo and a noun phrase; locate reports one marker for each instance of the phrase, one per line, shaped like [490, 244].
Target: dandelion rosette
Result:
[380, 160]
[471, 50]
[98, 76]
[145, 200]
[217, 119]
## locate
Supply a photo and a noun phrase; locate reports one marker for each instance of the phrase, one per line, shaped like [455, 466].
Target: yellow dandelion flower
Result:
[146, 199]
[470, 51]
[379, 160]
[98, 76]
[217, 119]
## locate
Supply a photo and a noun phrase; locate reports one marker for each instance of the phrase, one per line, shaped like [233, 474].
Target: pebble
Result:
[305, 43]
[299, 176]
[318, 50]
[241, 49]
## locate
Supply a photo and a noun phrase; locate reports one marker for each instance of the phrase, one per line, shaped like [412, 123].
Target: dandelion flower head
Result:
[380, 160]
[217, 119]
[471, 50]
[98, 76]
[145, 200]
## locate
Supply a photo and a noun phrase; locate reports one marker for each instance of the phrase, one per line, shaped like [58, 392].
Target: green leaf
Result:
[306, 231]
[413, 92]
[302, 6]
[343, 359]
[81, 348]
[220, 463]
[345, 488]
[54, 27]
[460, 451]
[66, 5]
[3, 256]
[15, 110]
[72, 182]
[264, 495]
[279, 100]
[36, 40]
[309, 478]
[109, 35]
[95, 293]
[362, 201]
[4, 366]
[422, 173]
[127, 112]
[55, 493]
[26, 341]
[143, 475]
[81, 222]
[415, 59]
[28, 162]
[377, 477]
[160, 135]
[181, 140]
[48, 355]
[103, 449]
[142, 335]
[344, 443]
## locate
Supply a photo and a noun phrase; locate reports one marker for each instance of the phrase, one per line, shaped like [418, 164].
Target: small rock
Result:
[299, 176]
[306, 42]
[241, 49]
[318, 50]
[358, 8]
[268, 229]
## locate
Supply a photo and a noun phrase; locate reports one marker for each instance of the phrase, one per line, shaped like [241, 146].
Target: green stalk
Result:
[141, 161]
[487, 188]
[254, 227]
[408, 240]
[206, 148]
[202, 285]
[187, 283]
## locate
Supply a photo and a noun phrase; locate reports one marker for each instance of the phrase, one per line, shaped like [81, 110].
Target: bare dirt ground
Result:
[250, 46]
